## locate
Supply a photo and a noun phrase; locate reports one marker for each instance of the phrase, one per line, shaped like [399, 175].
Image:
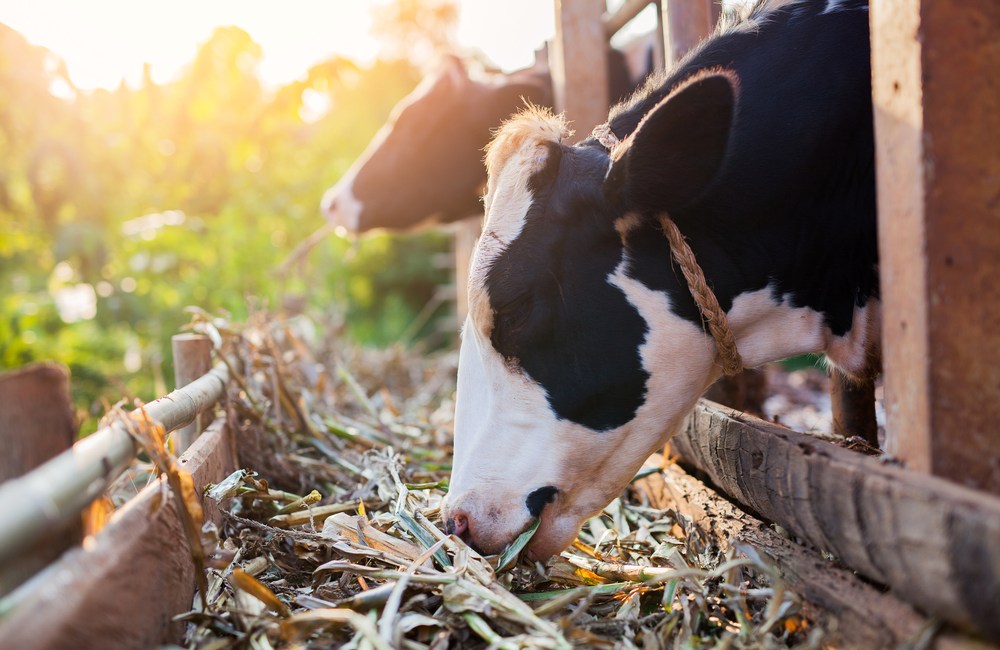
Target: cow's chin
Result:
[554, 535]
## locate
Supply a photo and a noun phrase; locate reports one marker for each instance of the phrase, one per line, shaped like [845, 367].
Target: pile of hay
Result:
[333, 537]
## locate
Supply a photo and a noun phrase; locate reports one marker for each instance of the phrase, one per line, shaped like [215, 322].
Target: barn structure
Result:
[926, 526]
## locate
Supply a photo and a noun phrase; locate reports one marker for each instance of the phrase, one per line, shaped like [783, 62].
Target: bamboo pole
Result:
[53, 495]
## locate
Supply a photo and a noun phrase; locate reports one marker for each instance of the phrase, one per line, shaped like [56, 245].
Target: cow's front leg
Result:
[853, 405]
[744, 392]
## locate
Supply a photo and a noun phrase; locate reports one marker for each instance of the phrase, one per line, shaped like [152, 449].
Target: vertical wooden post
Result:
[579, 64]
[937, 116]
[192, 359]
[36, 424]
[687, 23]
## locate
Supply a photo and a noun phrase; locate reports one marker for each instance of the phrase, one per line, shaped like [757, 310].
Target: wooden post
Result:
[36, 424]
[937, 116]
[36, 418]
[192, 359]
[687, 23]
[580, 64]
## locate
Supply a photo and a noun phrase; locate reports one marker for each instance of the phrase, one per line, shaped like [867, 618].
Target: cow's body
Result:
[425, 164]
[584, 348]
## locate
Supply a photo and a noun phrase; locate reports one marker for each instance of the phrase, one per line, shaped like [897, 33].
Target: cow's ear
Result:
[678, 147]
[508, 94]
[453, 68]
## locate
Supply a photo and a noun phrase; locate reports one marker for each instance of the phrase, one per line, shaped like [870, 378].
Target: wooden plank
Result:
[687, 23]
[937, 117]
[579, 64]
[855, 613]
[37, 423]
[936, 544]
[124, 585]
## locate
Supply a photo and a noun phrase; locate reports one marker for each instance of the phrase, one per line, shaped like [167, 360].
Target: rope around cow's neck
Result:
[704, 297]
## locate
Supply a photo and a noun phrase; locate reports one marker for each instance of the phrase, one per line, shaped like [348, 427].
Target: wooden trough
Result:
[924, 536]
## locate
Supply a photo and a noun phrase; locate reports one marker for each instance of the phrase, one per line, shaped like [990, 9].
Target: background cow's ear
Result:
[454, 69]
[510, 93]
[678, 147]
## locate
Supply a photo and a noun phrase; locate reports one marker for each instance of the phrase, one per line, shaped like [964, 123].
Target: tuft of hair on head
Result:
[533, 125]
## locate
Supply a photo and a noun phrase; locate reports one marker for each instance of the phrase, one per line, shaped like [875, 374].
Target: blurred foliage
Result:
[119, 208]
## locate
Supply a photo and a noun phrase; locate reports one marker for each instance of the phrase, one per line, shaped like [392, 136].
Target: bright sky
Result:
[103, 41]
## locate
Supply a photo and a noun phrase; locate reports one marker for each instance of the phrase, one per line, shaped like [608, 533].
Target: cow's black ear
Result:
[514, 92]
[678, 147]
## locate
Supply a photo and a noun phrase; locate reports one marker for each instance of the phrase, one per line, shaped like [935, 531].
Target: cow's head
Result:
[425, 163]
[571, 371]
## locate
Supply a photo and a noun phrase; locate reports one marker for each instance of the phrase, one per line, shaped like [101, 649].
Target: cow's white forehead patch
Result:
[520, 148]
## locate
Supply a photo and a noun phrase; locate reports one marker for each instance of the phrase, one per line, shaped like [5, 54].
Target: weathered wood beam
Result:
[579, 64]
[855, 613]
[937, 122]
[687, 22]
[936, 544]
[125, 585]
[613, 22]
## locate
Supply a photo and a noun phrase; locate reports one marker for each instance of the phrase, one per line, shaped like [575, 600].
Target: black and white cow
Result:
[425, 164]
[584, 348]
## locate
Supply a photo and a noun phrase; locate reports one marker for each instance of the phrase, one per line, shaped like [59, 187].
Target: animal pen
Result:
[916, 542]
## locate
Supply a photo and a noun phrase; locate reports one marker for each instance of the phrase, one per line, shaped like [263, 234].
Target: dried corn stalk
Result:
[367, 565]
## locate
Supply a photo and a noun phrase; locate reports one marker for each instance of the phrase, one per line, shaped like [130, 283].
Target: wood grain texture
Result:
[936, 544]
[937, 121]
[855, 613]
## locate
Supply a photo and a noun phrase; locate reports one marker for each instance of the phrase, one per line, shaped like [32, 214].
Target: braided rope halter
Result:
[712, 313]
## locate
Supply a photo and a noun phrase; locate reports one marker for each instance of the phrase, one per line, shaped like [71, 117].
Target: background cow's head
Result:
[425, 163]
[571, 370]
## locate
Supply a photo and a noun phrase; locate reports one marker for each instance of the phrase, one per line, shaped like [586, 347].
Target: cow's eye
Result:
[510, 322]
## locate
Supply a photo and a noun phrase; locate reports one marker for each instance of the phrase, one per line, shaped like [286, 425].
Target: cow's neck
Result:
[769, 315]
[767, 330]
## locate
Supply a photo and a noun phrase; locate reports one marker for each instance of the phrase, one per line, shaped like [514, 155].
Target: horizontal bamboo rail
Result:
[45, 500]
[126, 585]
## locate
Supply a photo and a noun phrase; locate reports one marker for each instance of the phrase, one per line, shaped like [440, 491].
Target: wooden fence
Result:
[126, 582]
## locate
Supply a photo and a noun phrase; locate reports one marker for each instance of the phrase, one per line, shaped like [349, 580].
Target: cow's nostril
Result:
[537, 499]
[457, 525]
